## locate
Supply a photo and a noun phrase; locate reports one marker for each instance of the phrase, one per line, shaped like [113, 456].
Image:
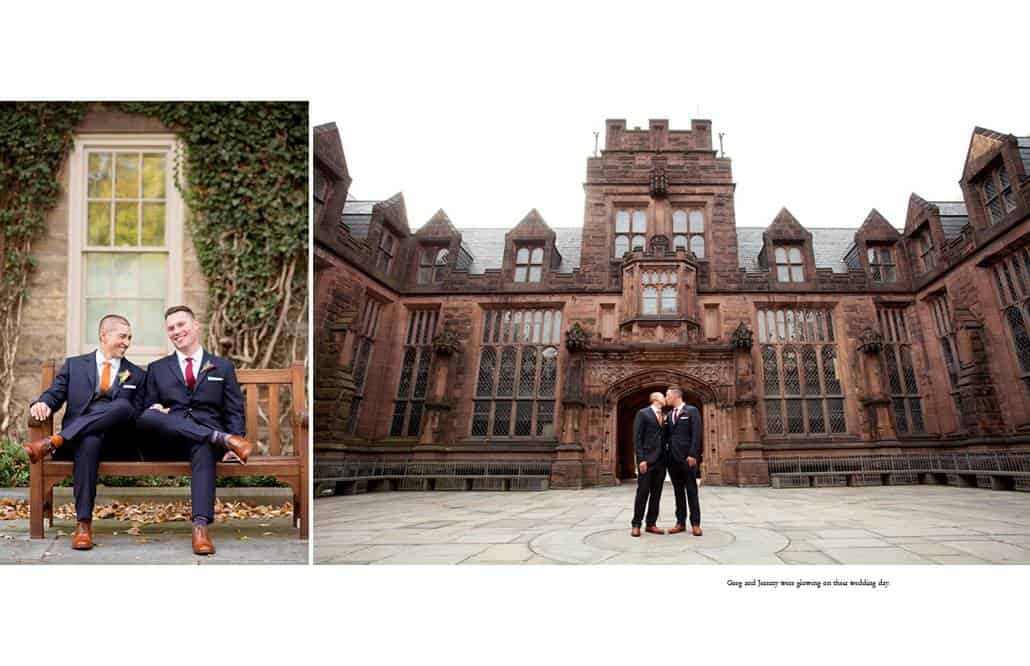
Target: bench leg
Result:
[50, 506]
[36, 501]
[304, 504]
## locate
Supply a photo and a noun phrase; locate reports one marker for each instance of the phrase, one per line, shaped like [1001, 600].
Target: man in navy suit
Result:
[683, 454]
[103, 391]
[194, 410]
[649, 444]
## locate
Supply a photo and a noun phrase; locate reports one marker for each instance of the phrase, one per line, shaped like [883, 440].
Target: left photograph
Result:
[153, 332]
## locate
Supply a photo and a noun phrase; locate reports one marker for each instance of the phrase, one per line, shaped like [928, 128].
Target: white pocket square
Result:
[127, 386]
[217, 379]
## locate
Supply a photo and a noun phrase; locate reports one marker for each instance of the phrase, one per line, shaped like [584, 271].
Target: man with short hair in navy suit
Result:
[683, 455]
[194, 410]
[103, 391]
[649, 446]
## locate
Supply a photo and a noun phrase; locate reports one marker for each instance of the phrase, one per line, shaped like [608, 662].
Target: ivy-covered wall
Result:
[244, 169]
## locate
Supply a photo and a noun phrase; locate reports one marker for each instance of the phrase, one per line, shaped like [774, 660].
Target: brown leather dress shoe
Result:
[695, 530]
[651, 529]
[679, 528]
[83, 537]
[635, 532]
[241, 447]
[202, 541]
[38, 449]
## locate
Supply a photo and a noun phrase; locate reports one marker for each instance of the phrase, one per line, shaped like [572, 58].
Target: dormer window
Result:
[630, 227]
[924, 242]
[432, 264]
[529, 264]
[384, 256]
[997, 194]
[688, 228]
[659, 293]
[789, 266]
[881, 264]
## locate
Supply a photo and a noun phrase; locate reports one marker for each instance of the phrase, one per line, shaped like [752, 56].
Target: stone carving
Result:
[870, 341]
[658, 183]
[446, 342]
[576, 338]
[743, 337]
[659, 245]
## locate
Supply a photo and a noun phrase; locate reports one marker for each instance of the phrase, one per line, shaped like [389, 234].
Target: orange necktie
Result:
[105, 377]
[659, 415]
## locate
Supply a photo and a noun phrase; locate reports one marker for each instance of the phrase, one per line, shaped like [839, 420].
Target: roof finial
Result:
[595, 142]
[721, 153]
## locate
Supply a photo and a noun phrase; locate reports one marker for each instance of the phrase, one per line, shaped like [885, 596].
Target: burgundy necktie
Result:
[191, 380]
[675, 415]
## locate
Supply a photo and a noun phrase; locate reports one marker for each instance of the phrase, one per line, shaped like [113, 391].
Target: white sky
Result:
[489, 114]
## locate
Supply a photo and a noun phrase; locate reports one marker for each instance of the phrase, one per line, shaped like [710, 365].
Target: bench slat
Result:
[264, 376]
[274, 436]
[252, 412]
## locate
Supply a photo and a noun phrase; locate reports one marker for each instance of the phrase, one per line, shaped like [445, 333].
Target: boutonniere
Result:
[207, 366]
[123, 375]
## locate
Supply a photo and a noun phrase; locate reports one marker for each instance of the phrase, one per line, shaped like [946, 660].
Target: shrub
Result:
[14, 465]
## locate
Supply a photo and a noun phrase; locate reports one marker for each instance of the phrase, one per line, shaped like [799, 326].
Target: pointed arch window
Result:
[940, 309]
[1012, 279]
[906, 403]
[416, 365]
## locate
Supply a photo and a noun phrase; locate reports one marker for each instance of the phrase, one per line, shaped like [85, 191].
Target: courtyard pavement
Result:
[754, 526]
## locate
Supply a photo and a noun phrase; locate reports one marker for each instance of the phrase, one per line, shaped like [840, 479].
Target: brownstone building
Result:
[538, 344]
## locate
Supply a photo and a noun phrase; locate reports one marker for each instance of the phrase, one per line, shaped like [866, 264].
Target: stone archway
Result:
[628, 395]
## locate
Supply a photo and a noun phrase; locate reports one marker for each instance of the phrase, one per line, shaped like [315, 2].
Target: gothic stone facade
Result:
[539, 343]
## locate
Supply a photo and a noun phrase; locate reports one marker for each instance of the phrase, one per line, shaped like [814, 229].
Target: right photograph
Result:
[658, 385]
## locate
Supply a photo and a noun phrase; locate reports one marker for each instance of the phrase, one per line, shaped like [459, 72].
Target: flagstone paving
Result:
[873, 525]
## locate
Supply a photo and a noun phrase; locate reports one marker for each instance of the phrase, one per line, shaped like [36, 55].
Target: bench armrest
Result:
[40, 429]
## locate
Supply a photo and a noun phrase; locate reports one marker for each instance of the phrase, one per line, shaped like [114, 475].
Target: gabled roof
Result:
[487, 247]
[785, 223]
[981, 143]
[953, 217]
[438, 226]
[877, 227]
[828, 245]
[533, 224]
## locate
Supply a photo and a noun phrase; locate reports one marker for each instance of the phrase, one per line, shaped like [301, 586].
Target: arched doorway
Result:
[628, 406]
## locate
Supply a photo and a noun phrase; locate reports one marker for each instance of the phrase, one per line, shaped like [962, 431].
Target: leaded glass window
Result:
[432, 264]
[518, 373]
[996, 191]
[945, 330]
[1012, 279]
[387, 248]
[927, 252]
[416, 365]
[906, 403]
[800, 380]
[688, 229]
[881, 264]
[659, 293]
[364, 346]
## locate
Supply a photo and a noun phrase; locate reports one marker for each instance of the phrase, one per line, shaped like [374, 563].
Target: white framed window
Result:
[125, 238]
[688, 229]
[529, 264]
[630, 230]
[789, 267]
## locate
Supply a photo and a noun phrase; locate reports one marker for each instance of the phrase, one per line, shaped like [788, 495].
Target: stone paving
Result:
[873, 525]
[272, 541]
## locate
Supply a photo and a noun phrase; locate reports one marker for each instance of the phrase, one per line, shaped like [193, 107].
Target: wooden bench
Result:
[291, 469]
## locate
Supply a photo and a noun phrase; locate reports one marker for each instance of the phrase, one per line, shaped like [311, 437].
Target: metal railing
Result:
[1007, 463]
[358, 471]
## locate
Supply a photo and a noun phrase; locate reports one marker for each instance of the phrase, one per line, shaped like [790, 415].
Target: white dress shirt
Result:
[197, 357]
[115, 364]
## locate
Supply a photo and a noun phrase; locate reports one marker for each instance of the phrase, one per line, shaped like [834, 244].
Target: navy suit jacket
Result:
[77, 380]
[216, 401]
[684, 437]
[648, 440]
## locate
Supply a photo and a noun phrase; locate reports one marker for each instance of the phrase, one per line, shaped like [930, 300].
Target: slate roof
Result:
[954, 216]
[1024, 151]
[357, 215]
[487, 247]
[828, 245]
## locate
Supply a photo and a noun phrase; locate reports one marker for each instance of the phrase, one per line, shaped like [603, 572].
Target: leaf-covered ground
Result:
[149, 513]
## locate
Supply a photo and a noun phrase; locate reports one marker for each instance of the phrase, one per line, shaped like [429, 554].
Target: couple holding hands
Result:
[184, 406]
[667, 441]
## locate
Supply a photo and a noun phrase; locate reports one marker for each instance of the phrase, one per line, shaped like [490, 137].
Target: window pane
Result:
[485, 382]
[538, 256]
[781, 255]
[639, 242]
[506, 376]
[407, 368]
[523, 418]
[153, 276]
[697, 246]
[502, 418]
[621, 245]
[520, 274]
[153, 176]
[148, 328]
[523, 256]
[99, 176]
[126, 177]
[415, 419]
[795, 255]
[639, 222]
[697, 222]
[622, 222]
[773, 417]
[679, 222]
[668, 300]
[422, 376]
[545, 419]
[126, 224]
[650, 300]
[153, 231]
[797, 274]
[527, 372]
[99, 226]
[548, 372]
[679, 242]
[397, 423]
[441, 257]
[791, 376]
[816, 421]
[480, 418]
[770, 371]
[535, 273]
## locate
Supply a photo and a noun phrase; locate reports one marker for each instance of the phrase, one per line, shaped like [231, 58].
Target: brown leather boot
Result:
[83, 537]
[695, 530]
[202, 541]
[677, 529]
[635, 532]
[241, 447]
[39, 449]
